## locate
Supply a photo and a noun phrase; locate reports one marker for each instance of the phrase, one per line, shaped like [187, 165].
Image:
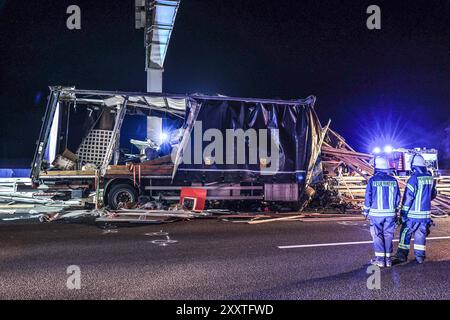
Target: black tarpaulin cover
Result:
[281, 141]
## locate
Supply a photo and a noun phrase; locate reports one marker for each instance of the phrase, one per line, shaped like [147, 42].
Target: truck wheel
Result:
[121, 193]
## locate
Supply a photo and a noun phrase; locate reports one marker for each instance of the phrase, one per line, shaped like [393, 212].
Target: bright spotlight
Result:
[388, 149]
[376, 150]
[164, 137]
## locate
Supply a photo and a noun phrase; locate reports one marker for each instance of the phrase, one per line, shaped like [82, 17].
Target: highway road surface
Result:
[211, 259]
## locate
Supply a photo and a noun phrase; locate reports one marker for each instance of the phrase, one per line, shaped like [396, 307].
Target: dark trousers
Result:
[418, 228]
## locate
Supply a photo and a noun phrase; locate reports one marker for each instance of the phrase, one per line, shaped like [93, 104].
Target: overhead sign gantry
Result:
[157, 17]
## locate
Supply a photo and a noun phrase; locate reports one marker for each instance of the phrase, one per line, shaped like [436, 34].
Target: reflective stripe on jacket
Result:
[420, 190]
[382, 195]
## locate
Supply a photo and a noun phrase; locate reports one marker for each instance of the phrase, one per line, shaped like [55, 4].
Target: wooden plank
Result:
[341, 139]
[335, 151]
[117, 167]
[359, 218]
[276, 219]
[165, 159]
[17, 206]
[68, 173]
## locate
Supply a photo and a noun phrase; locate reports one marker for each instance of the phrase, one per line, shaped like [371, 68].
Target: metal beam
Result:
[115, 136]
[154, 79]
[42, 142]
[159, 22]
[307, 101]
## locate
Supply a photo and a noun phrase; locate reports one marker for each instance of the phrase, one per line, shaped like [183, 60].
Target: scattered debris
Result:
[193, 199]
[165, 242]
[157, 234]
[109, 228]
[143, 216]
[308, 217]
[22, 217]
[68, 215]
[65, 161]
[257, 220]
[347, 172]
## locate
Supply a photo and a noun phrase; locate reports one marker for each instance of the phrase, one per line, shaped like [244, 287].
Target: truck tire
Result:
[121, 193]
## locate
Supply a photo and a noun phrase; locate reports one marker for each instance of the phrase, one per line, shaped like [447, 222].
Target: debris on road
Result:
[164, 242]
[260, 219]
[69, 215]
[143, 190]
[148, 216]
[311, 217]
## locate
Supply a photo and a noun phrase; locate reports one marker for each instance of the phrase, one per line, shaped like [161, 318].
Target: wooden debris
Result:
[356, 218]
[352, 189]
[317, 217]
[258, 221]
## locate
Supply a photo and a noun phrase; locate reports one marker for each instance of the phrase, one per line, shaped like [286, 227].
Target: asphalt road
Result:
[211, 260]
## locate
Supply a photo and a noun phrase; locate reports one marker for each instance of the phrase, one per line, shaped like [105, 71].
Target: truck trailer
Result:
[119, 146]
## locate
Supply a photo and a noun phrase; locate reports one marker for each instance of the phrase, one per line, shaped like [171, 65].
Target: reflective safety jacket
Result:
[420, 190]
[382, 196]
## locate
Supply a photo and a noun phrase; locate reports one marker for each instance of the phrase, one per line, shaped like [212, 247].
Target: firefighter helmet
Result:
[381, 163]
[417, 161]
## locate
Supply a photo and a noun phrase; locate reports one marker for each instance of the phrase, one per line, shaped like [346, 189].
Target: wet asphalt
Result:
[210, 259]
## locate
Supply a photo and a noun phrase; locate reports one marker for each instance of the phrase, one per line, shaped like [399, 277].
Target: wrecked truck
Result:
[116, 147]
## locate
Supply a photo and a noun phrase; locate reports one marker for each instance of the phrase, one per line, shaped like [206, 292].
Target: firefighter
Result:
[416, 210]
[381, 203]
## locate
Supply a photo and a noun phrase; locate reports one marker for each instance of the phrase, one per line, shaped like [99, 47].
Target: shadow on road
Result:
[408, 281]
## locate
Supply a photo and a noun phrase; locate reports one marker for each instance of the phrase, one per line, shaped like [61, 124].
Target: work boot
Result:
[400, 258]
[377, 262]
[420, 260]
[388, 262]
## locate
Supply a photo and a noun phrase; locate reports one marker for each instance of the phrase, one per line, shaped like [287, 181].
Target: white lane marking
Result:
[344, 243]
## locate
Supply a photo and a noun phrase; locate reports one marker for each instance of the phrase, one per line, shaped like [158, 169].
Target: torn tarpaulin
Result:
[293, 126]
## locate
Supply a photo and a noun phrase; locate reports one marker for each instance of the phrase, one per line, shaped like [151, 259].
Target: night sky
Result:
[392, 83]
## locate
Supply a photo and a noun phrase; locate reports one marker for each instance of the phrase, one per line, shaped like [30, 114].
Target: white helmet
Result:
[417, 161]
[381, 163]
